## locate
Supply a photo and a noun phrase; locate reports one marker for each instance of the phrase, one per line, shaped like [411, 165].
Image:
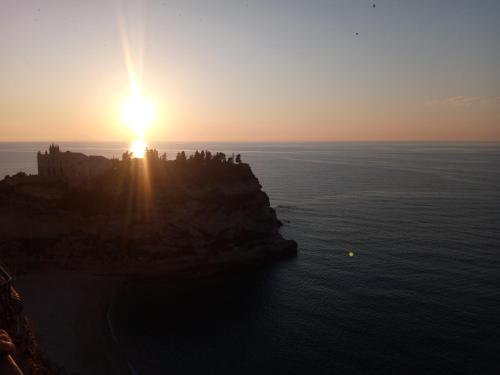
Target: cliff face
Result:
[145, 214]
[28, 354]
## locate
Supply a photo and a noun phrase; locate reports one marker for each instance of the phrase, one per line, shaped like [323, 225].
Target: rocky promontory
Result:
[145, 216]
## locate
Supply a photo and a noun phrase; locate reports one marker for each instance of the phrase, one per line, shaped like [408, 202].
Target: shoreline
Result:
[71, 309]
[117, 358]
[69, 313]
[237, 258]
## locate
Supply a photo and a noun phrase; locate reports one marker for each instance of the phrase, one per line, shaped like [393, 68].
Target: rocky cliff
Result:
[28, 355]
[144, 216]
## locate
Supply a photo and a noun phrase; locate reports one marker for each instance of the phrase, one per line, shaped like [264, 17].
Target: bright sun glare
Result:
[138, 113]
[138, 148]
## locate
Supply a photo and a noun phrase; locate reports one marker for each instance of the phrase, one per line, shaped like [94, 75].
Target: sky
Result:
[252, 70]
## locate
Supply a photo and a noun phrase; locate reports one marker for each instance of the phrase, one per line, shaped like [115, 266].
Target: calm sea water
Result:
[421, 295]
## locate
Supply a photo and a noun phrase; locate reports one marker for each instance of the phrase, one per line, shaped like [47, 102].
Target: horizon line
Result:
[267, 141]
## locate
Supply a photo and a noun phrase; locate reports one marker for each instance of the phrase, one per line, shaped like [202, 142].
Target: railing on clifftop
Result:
[5, 285]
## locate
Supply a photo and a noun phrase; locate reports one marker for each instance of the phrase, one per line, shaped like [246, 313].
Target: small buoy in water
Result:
[350, 253]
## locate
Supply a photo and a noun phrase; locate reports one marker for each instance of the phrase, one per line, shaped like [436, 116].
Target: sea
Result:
[398, 268]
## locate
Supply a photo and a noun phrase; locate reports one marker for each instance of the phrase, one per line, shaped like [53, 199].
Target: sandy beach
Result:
[68, 311]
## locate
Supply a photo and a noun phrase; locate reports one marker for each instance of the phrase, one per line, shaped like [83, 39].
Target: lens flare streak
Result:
[137, 111]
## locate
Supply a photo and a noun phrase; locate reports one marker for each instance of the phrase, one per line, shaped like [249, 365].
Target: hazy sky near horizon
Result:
[252, 70]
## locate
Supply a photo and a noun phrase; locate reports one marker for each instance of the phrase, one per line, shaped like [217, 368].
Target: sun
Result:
[138, 114]
[138, 148]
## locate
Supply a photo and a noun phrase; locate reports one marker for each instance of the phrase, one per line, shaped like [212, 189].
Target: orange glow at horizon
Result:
[208, 80]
